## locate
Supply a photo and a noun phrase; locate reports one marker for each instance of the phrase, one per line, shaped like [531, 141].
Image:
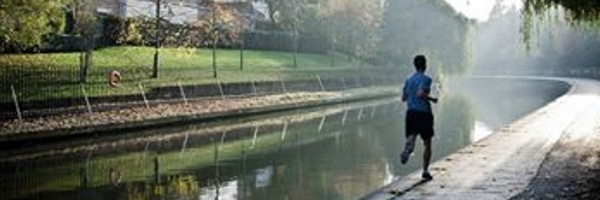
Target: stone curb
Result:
[26, 139]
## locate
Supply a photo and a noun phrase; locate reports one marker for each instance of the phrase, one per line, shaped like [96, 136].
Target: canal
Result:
[334, 152]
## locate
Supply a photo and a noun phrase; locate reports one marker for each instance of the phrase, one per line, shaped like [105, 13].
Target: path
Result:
[503, 164]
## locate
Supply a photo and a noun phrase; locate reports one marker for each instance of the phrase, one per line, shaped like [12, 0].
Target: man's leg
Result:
[411, 135]
[426, 153]
[427, 136]
[409, 147]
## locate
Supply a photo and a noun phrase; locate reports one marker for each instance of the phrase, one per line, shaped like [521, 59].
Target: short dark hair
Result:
[420, 62]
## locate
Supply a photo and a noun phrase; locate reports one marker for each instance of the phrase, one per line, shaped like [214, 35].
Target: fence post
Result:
[344, 84]
[87, 100]
[144, 95]
[284, 131]
[253, 87]
[255, 136]
[360, 112]
[182, 92]
[373, 112]
[321, 83]
[322, 124]
[14, 95]
[185, 141]
[344, 117]
[221, 90]
[283, 85]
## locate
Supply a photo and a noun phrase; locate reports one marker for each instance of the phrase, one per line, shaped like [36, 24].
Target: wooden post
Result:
[14, 94]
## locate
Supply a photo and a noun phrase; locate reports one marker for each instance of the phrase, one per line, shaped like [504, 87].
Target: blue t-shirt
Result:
[412, 85]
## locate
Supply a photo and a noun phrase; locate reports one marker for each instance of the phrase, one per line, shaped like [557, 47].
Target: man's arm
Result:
[404, 97]
[424, 91]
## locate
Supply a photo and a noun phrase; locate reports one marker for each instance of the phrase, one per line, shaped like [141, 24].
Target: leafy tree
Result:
[577, 12]
[284, 10]
[25, 22]
[355, 26]
[84, 13]
[221, 24]
[274, 6]
[429, 27]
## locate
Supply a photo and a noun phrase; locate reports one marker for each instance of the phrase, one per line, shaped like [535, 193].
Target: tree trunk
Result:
[89, 56]
[214, 56]
[85, 59]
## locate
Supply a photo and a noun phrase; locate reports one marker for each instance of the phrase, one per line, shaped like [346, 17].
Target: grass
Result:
[55, 75]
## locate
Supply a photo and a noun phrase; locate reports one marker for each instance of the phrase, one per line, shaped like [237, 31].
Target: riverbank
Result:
[504, 164]
[117, 121]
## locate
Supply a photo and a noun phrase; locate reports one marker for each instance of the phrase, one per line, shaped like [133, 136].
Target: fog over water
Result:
[338, 152]
[555, 46]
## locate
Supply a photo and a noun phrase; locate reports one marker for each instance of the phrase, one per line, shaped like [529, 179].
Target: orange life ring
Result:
[114, 77]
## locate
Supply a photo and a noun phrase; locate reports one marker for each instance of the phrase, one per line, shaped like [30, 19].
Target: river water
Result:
[335, 152]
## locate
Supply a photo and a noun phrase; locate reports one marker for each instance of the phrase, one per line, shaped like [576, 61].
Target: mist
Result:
[557, 47]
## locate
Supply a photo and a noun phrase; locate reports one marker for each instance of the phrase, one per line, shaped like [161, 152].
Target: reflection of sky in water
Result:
[263, 177]
[227, 190]
[346, 154]
[388, 176]
[480, 131]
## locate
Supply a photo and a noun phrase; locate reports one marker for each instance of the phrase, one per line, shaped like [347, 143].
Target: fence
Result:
[182, 93]
[157, 48]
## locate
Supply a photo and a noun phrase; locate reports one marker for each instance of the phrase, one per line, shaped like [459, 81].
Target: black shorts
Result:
[419, 123]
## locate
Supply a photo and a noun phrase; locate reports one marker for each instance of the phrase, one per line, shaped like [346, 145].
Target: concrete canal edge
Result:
[503, 164]
[18, 140]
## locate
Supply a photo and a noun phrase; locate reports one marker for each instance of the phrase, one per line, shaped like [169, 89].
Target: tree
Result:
[356, 25]
[25, 22]
[428, 27]
[578, 12]
[221, 24]
[274, 9]
[84, 13]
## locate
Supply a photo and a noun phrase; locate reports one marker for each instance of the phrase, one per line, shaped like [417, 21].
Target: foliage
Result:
[354, 26]
[429, 27]
[25, 22]
[45, 76]
[286, 12]
[84, 13]
[577, 12]
[222, 24]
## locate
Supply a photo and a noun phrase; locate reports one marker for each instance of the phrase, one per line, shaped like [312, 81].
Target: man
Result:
[419, 118]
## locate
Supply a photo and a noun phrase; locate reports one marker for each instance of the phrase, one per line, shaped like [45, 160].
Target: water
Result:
[339, 152]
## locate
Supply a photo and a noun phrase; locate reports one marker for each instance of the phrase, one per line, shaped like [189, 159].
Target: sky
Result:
[480, 10]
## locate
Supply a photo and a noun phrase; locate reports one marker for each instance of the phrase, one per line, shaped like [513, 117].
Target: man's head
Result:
[420, 63]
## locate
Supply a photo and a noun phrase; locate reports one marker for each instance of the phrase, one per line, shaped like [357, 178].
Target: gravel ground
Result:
[155, 111]
[571, 170]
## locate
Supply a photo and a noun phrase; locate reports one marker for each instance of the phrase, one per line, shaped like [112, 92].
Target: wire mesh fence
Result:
[171, 47]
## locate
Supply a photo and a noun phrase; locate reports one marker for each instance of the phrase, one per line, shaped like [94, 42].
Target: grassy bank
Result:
[56, 75]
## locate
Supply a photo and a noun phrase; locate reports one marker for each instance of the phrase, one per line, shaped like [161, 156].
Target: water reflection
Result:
[339, 152]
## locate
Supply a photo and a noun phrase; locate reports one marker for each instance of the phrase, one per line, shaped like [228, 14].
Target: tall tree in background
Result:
[84, 13]
[274, 7]
[290, 20]
[428, 27]
[355, 26]
[577, 12]
[222, 24]
[24, 22]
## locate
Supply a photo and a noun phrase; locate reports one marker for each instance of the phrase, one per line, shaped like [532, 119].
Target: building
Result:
[185, 11]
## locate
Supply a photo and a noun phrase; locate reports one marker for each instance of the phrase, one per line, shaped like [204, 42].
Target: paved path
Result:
[503, 164]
